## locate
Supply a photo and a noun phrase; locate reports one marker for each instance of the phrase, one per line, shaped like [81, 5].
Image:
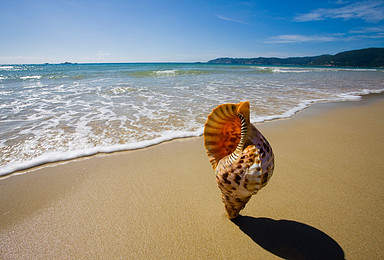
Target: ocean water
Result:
[50, 113]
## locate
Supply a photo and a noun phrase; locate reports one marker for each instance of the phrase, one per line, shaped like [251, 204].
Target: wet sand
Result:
[325, 200]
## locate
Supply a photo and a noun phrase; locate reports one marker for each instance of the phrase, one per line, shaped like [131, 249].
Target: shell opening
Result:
[222, 131]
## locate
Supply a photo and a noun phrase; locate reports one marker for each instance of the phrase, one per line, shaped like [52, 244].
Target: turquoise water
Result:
[55, 112]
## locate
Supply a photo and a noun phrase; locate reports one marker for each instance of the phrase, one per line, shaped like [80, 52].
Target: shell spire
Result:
[239, 154]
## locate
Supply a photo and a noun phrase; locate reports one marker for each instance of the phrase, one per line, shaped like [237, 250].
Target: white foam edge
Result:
[5, 67]
[56, 157]
[31, 77]
[350, 96]
[165, 72]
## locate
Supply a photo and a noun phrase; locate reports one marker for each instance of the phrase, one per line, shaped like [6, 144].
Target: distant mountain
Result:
[370, 57]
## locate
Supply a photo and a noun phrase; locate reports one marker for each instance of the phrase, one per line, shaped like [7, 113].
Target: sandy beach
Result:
[325, 200]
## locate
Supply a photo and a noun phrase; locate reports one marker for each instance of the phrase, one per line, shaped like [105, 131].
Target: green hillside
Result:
[370, 57]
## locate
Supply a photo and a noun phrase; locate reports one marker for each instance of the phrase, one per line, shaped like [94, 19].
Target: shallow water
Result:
[55, 112]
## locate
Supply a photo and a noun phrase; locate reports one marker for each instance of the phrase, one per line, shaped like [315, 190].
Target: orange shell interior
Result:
[222, 132]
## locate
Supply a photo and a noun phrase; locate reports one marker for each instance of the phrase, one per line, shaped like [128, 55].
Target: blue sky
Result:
[38, 31]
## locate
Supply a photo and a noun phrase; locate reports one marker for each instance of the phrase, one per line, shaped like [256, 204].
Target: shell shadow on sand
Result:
[290, 239]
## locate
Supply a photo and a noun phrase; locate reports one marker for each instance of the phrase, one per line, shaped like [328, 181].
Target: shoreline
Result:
[325, 197]
[45, 160]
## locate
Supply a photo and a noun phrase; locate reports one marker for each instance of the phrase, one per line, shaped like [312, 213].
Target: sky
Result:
[54, 31]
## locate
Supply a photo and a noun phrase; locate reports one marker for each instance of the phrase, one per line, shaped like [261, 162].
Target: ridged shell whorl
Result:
[222, 131]
[240, 155]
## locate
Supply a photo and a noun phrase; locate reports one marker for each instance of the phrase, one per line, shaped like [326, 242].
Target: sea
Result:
[57, 112]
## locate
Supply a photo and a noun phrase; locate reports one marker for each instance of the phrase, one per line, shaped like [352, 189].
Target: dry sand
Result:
[325, 200]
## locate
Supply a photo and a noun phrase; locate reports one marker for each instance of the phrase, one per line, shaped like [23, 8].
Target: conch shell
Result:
[239, 154]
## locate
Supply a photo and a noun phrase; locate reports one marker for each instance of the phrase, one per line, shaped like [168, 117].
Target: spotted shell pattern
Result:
[239, 154]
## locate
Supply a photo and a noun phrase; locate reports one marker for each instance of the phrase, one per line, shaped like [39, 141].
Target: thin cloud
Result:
[296, 38]
[374, 36]
[341, 2]
[336, 37]
[225, 18]
[370, 11]
[364, 30]
[375, 32]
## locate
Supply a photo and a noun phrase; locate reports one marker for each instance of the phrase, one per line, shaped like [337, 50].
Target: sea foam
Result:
[31, 77]
[52, 157]
[56, 113]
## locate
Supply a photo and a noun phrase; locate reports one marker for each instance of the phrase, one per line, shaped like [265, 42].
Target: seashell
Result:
[239, 154]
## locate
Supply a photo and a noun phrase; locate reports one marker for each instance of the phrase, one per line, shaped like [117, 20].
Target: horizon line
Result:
[174, 62]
